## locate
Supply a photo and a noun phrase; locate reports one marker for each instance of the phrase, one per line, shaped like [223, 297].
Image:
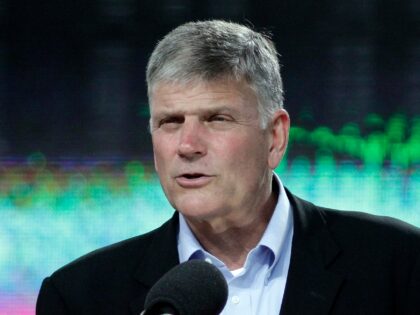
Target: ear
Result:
[279, 132]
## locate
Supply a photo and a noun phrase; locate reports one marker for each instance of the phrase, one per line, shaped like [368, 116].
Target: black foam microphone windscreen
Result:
[194, 287]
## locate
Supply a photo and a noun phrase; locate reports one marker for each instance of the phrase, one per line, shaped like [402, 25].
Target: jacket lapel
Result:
[158, 258]
[311, 287]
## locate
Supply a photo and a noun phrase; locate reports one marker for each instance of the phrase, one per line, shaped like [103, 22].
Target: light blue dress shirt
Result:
[258, 287]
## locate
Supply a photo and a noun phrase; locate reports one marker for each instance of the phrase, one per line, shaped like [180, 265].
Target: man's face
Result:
[212, 157]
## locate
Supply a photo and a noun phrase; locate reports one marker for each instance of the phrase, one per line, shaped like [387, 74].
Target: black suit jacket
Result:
[341, 263]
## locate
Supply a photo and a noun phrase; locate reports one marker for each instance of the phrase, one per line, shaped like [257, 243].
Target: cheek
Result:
[242, 153]
[161, 153]
[227, 148]
[163, 144]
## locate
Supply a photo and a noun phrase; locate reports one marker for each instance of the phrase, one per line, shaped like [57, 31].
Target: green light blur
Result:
[396, 141]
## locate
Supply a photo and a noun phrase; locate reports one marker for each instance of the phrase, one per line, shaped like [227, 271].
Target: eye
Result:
[170, 122]
[219, 118]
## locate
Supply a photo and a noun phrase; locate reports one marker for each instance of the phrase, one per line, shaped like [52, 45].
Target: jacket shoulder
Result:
[355, 231]
[361, 223]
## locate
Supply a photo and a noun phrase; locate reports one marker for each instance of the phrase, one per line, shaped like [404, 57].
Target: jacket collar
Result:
[311, 287]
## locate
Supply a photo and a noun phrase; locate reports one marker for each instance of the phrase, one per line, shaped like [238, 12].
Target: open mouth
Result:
[192, 176]
[193, 180]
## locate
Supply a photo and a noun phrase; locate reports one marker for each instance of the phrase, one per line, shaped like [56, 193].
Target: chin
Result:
[198, 209]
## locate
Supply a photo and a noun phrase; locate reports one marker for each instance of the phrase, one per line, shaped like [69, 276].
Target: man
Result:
[219, 130]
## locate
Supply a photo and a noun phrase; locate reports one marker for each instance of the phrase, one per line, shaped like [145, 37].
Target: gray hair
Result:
[210, 50]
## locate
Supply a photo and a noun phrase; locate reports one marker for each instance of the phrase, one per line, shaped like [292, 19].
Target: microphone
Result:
[194, 287]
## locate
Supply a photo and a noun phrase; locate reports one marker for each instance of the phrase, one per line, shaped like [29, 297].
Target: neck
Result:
[231, 241]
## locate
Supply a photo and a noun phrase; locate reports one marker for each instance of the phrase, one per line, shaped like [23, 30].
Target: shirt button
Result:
[208, 260]
[235, 299]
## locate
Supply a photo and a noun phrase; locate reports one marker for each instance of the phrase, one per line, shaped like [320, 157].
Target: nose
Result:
[191, 144]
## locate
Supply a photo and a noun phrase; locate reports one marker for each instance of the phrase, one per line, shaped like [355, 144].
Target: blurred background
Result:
[76, 168]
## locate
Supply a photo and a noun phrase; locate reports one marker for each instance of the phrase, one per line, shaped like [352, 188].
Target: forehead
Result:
[224, 93]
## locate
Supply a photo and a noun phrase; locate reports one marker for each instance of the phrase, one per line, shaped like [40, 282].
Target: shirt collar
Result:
[188, 245]
[273, 238]
[279, 225]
